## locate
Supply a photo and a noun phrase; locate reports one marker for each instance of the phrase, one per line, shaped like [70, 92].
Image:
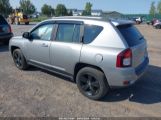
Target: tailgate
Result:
[135, 41]
[4, 29]
[139, 54]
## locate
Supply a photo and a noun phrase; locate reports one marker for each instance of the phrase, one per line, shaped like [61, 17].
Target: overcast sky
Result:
[123, 6]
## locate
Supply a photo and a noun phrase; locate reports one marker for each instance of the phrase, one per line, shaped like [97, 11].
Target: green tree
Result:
[88, 9]
[27, 6]
[47, 10]
[61, 10]
[159, 7]
[152, 9]
[5, 7]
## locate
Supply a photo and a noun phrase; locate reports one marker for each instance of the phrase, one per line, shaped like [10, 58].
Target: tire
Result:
[92, 83]
[27, 23]
[19, 59]
[159, 26]
[156, 27]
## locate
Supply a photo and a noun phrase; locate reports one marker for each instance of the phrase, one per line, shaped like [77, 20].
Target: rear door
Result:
[65, 49]
[136, 42]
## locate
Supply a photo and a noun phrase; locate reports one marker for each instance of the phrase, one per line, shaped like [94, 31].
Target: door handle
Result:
[44, 45]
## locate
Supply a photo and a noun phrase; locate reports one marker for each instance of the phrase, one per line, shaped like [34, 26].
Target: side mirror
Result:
[27, 35]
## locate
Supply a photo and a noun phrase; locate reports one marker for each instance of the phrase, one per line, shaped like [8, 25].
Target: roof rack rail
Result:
[78, 17]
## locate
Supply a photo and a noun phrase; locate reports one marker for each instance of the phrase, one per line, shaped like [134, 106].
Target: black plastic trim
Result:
[51, 69]
[140, 69]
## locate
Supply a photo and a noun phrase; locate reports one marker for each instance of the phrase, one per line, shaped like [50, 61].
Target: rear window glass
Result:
[2, 20]
[131, 34]
[91, 32]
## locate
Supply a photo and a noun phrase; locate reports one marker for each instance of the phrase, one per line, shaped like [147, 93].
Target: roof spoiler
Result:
[121, 22]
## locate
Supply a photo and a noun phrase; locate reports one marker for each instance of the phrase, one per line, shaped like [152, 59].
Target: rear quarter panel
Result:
[103, 51]
[102, 57]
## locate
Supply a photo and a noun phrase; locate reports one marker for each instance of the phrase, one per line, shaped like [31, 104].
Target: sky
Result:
[122, 6]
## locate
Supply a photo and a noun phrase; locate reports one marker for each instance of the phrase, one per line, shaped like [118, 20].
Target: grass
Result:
[39, 19]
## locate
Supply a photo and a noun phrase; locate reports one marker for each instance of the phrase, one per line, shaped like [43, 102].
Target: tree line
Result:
[155, 8]
[28, 8]
[61, 10]
[6, 9]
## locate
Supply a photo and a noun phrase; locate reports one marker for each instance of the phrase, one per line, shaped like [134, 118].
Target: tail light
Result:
[124, 59]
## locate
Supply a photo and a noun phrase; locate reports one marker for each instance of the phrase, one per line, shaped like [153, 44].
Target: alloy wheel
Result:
[89, 84]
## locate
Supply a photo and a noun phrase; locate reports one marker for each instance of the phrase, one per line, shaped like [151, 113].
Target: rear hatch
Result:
[136, 42]
[4, 27]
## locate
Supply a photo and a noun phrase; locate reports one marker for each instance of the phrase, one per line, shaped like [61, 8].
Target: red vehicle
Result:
[157, 24]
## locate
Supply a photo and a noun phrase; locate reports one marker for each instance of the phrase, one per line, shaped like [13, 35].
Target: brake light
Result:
[124, 59]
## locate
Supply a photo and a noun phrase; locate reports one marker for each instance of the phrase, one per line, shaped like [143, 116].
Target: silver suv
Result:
[96, 53]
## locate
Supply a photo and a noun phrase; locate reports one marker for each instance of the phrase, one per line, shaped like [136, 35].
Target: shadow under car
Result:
[147, 90]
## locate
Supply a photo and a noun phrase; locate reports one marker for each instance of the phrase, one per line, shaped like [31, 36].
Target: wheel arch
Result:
[79, 66]
[14, 48]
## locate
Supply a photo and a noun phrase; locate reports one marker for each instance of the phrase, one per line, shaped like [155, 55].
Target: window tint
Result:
[43, 32]
[2, 20]
[91, 32]
[76, 34]
[131, 34]
[68, 33]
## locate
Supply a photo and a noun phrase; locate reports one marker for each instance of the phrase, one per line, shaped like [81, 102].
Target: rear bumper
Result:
[6, 37]
[118, 76]
[141, 68]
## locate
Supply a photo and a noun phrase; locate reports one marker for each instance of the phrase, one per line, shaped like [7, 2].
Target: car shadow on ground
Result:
[146, 91]
[3, 48]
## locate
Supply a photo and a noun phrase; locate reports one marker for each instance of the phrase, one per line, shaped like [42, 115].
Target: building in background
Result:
[77, 12]
[99, 13]
[96, 12]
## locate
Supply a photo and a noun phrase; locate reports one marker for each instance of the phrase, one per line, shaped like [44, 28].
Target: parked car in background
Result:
[153, 21]
[5, 31]
[157, 24]
[97, 54]
[138, 20]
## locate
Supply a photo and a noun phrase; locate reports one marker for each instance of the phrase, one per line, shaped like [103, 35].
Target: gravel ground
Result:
[39, 93]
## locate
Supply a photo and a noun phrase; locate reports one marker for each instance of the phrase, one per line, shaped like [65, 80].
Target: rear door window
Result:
[2, 21]
[131, 34]
[91, 32]
[68, 32]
